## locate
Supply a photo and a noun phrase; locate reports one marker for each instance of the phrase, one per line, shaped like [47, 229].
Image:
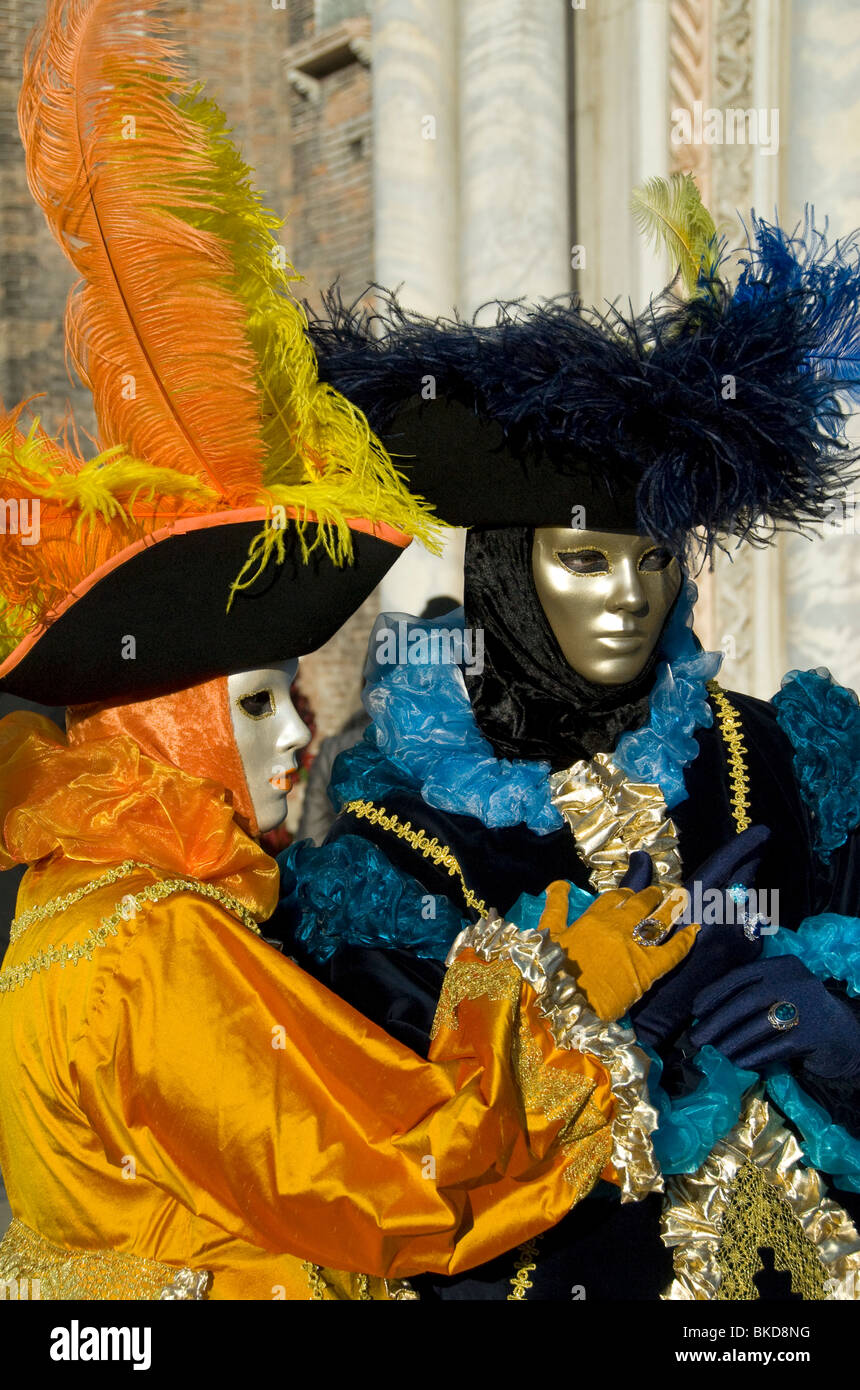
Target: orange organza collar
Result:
[105, 801]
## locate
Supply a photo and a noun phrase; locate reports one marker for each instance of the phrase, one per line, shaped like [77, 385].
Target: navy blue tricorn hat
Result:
[715, 415]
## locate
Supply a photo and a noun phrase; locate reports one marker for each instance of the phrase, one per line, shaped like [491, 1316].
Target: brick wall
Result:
[313, 161]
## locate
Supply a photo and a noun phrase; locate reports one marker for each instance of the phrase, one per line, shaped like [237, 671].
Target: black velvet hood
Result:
[527, 701]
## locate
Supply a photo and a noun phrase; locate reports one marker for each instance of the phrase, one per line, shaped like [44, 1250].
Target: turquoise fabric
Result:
[822, 721]
[424, 726]
[828, 945]
[825, 1145]
[348, 893]
[691, 1126]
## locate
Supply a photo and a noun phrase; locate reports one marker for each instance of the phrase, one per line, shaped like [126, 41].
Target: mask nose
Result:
[628, 594]
[293, 733]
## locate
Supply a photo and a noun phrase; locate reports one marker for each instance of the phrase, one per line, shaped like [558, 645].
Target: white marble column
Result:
[622, 138]
[416, 193]
[415, 150]
[514, 171]
[822, 577]
[748, 71]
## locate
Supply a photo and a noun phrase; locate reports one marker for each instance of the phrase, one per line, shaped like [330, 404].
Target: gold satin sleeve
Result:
[267, 1105]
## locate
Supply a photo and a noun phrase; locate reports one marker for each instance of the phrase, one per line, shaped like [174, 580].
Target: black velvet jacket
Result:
[612, 1250]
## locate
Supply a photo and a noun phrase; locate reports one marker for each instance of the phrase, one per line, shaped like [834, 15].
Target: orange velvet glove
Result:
[612, 969]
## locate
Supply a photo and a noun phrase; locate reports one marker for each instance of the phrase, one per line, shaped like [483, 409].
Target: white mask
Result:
[269, 734]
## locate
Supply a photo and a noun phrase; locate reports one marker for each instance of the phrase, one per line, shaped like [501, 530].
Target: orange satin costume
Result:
[176, 1095]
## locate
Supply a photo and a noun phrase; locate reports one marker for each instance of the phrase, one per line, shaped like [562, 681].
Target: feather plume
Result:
[84, 512]
[320, 456]
[825, 281]
[638, 402]
[152, 326]
[670, 212]
[183, 323]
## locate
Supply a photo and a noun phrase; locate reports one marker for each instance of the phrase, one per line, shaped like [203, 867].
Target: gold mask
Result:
[606, 596]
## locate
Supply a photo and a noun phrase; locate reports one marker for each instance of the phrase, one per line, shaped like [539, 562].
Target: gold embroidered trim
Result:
[474, 979]
[396, 1290]
[15, 975]
[42, 911]
[61, 1274]
[701, 1217]
[731, 731]
[441, 855]
[526, 1264]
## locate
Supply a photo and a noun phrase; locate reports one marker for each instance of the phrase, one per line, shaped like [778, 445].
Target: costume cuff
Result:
[575, 1026]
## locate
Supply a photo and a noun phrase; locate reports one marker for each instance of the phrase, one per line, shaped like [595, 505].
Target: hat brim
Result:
[157, 620]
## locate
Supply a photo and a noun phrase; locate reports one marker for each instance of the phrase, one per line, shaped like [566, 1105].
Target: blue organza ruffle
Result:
[691, 1126]
[822, 721]
[828, 945]
[678, 706]
[424, 725]
[348, 893]
[825, 1145]
[362, 773]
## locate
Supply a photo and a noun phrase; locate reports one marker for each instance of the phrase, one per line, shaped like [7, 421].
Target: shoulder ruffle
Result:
[822, 722]
[828, 945]
[347, 893]
[423, 723]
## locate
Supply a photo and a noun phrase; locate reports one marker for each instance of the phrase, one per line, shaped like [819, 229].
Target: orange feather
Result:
[153, 326]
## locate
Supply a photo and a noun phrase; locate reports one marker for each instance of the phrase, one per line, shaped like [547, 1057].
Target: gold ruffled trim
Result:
[55, 1272]
[610, 817]
[543, 965]
[753, 1183]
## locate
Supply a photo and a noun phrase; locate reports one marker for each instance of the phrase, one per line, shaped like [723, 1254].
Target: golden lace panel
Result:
[757, 1218]
[62, 1274]
[474, 979]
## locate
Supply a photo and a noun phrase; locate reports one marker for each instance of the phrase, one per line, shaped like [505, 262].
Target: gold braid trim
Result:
[15, 975]
[754, 1190]
[731, 731]
[441, 855]
[56, 1272]
[43, 911]
[526, 1264]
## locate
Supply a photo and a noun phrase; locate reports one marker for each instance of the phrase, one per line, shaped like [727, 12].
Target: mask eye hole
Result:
[586, 561]
[655, 560]
[259, 705]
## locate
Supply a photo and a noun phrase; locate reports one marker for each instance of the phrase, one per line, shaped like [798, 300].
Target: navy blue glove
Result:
[667, 1008]
[640, 871]
[733, 1017]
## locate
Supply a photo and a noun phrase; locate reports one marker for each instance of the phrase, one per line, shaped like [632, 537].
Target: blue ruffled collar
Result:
[424, 724]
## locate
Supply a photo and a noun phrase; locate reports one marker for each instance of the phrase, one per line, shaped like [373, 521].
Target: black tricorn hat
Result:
[710, 416]
[154, 619]
[237, 509]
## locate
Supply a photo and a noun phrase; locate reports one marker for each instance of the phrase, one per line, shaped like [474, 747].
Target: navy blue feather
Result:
[723, 412]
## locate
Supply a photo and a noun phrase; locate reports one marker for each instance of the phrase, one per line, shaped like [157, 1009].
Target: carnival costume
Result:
[712, 419]
[185, 1113]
